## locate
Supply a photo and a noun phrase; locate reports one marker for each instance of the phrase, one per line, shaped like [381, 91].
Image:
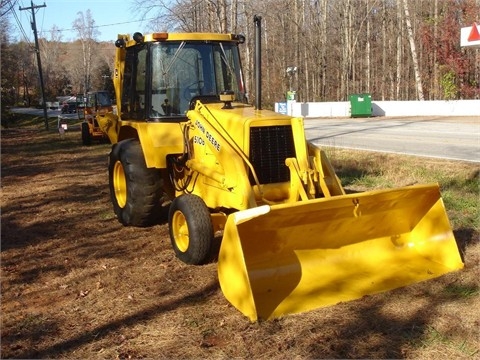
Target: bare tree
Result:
[347, 51]
[87, 33]
[53, 69]
[418, 78]
[323, 46]
[339, 46]
[435, 54]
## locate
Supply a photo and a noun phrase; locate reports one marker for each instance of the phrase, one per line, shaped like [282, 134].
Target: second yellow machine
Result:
[291, 239]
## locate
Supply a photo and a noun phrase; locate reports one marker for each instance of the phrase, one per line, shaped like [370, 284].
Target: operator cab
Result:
[163, 78]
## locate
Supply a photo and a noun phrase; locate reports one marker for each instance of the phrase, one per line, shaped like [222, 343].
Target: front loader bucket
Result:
[290, 258]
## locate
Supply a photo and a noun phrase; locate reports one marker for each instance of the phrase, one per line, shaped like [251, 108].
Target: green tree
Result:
[449, 87]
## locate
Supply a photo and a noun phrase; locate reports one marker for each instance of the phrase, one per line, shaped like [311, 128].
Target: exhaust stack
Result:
[258, 61]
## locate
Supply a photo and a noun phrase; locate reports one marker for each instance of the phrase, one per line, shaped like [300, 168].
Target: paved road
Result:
[71, 119]
[438, 137]
[456, 138]
[39, 112]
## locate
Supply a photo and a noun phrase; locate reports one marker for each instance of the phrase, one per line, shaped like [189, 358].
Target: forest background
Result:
[392, 49]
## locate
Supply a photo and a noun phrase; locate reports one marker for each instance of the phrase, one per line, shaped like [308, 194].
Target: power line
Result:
[17, 20]
[99, 26]
[20, 26]
[11, 6]
[41, 32]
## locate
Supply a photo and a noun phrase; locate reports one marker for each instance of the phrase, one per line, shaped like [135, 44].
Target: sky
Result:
[112, 17]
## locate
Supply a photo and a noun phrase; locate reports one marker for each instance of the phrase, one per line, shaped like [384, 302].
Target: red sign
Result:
[474, 33]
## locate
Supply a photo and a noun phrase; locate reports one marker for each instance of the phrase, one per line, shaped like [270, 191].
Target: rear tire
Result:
[135, 190]
[86, 138]
[191, 229]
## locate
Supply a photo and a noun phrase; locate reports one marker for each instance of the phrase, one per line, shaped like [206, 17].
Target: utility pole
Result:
[39, 62]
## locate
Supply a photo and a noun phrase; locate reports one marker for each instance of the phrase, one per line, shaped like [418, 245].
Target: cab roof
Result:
[164, 36]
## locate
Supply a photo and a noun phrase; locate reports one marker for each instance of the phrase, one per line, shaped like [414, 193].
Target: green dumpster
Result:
[361, 105]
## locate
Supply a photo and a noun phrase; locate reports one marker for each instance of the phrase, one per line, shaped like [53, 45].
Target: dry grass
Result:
[77, 284]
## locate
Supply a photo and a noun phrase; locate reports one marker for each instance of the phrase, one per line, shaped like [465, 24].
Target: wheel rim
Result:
[120, 184]
[180, 231]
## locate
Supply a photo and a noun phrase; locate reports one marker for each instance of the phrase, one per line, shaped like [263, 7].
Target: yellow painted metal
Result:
[285, 250]
[120, 184]
[328, 180]
[109, 124]
[180, 229]
[157, 139]
[290, 258]
[194, 36]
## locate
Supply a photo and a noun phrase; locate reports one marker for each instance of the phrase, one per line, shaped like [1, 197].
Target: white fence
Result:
[386, 108]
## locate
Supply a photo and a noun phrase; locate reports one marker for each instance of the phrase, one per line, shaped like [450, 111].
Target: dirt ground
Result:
[77, 284]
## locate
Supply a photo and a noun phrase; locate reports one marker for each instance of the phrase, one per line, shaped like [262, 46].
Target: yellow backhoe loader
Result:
[91, 105]
[292, 240]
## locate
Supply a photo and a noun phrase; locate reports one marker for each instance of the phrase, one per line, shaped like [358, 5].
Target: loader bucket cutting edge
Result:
[306, 255]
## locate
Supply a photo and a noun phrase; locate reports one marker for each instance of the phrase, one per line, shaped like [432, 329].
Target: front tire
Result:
[191, 229]
[86, 138]
[135, 190]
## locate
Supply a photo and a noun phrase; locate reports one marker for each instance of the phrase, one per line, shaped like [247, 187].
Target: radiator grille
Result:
[269, 147]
